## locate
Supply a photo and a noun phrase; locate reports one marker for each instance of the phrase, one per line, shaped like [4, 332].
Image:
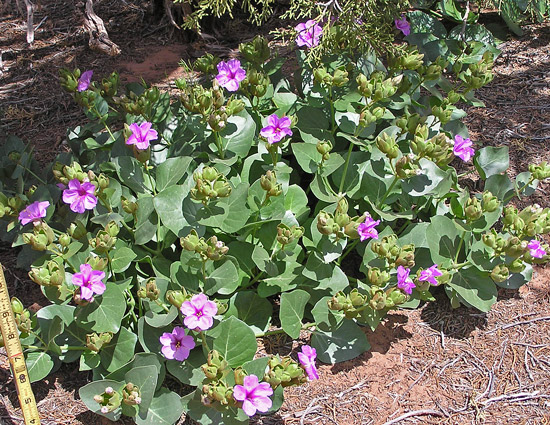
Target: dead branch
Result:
[99, 38]
[516, 397]
[425, 412]
[30, 16]
[509, 325]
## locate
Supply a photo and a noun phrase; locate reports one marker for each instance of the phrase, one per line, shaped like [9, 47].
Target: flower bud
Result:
[378, 277]
[540, 171]
[176, 298]
[473, 209]
[490, 202]
[387, 144]
[131, 395]
[326, 224]
[257, 51]
[324, 147]
[151, 290]
[17, 305]
[406, 167]
[500, 273]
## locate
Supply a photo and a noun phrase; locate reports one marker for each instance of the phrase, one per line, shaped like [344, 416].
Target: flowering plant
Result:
[164, 246]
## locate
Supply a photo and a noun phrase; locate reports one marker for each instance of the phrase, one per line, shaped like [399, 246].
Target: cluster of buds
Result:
[109, 400]
[200, 100]
[407, 167]
[410, 122]
[540, 171]
[105, 239]
[350, 304]
[65, 173]
[22, 316]
[286, 235]
[382, 300]
[176, 297]
[369, 115]
[50, 274]
[216, 369]
[339, 223]
[338, 78]
[409, 59]
[324, 147]
[95, 342]
[255, 84]
[378, 87]
[209, 184]
[142, 104]
[443, 112]
[269, 183]
[284, 371]
[42, 235]
[387, 145]
[424, 285]
[256, 51]
[500, 273]
[207, 64]
[532, 220]
[9, 207]
[211, 249]
[434, 70]
[69, 79]
[150, 290]
[478, 74]
[396, 255]
[128, 206]
[77, 230]
[512, 247]
[109, 86]
[131, 395]
[438, 149]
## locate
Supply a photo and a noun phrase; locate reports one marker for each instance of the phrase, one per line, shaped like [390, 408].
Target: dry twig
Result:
[425, 412]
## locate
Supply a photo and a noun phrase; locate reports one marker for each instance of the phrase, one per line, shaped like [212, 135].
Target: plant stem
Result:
[344, 255]
[345, 168]
[221, 153]
[280, 330]
[393, 183]
[460, 245]
[204, 343]
[163, 306]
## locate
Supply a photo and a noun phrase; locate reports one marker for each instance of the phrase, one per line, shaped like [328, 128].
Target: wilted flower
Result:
[176, 345]
[199, 312]
[277, 128]
[141, 135]
[366, 230]
[404, 282]
[230, 74]
[430, 274]
[308, 33]
[253, 394]
[307, 360]
[403, 25]
[90, 282]
[84, 80]
[80, 196]
[34, 212]
[463, 148]
[535, 249]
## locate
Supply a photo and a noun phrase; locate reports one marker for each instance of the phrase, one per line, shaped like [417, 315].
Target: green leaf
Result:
[146, 227]
[444, 239]
[327, 276]
[475, 287]
[229, 214]
[165, 409]
[169, 206]
[119, 350]
[149, 336]
[517, 280]
[423, 23]
[256, 366]
[223, 280]
[344, 343]
[159, 320]
[89, 391]
[131, 174]
[105, 313]
[491, 160]
[188, 372]
[307, 156]
[171, 171]
[287, 280]
[122, 259]
[234, 340]
[250, 308]
[432, 181]
[39, 365]
[501, 186]
[292, 311]
[145, 377]
[325, 318]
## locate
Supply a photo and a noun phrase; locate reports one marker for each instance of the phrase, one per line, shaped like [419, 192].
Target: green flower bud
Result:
[324, 147]
[151, 290]
[357, 299]
[500, 273]
[257, 51]
[406, 167]
[515, 247]
[378, 277]
[287, 235]
[109, 400]
[387, 144]
[490, 202]
[473, 209]
[378, 301]
[268, 182]
[206, 64]
[340, 78]
[95, 342]
[350, 228]
[322, 76]
[216, 249]
[131, 395]
[17, 305]
[540, 171]
[128, 206]
[176, 298]
[394, 298]
[326, 224]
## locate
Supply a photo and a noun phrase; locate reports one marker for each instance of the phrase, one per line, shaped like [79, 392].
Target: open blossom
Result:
[366, 230]
[34, 212]
[84, 80]
[535, 249]
[403, 25]
[308, 33]
[307, 360]
[199, 312]
[90, 282]
[277, 128]
[230, 74]
[254, 395]
[430, 274]
[80, 196]
[404, 282]
[141, 135]
[463, 148]
[176, 345]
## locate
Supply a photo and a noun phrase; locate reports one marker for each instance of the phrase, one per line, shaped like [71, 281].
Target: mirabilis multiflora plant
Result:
[175, 225]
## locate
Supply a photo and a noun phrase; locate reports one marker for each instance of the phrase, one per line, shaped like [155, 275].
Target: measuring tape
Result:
[15, 355]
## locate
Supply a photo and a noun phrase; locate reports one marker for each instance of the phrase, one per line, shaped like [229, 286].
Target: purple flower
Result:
[80, 196]
[366, 230]
[176, 345]
[141, 135]
[254, 395]
[90, 282]
[230, 74]
[308, 33]
[307, 360]
[535, 249]
[463, 148]
[277, 128]
[84, 80]
[404, 282]
[403, 25]
[430, 274]
[199, 312]
[34, 212]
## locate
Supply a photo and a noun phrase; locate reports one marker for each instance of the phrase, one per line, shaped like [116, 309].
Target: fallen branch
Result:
[516, 397]
[99, 38]
[426, 412]
[510, 325]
